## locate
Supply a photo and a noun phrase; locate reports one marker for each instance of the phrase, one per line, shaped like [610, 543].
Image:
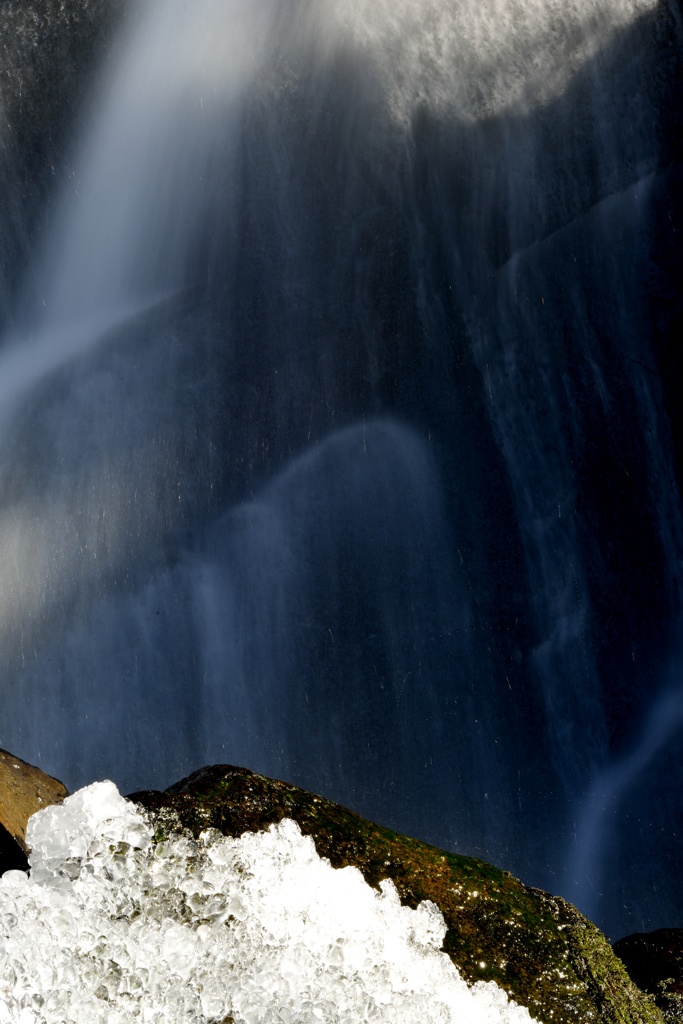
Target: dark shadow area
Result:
[12, 857]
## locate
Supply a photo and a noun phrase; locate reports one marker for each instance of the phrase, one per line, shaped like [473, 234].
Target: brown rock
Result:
[24, 789]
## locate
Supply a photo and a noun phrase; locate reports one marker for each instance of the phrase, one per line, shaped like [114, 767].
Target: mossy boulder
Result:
[537, 947]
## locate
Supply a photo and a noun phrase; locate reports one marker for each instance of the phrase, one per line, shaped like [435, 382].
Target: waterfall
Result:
[333, 439]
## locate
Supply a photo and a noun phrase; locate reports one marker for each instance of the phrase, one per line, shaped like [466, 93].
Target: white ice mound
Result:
[64, 833]
[111, 928]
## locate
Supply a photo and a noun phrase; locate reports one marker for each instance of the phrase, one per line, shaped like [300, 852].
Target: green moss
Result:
[615, 996]
[535, 946]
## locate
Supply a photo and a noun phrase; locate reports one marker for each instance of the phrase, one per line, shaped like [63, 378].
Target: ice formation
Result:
[111, 927]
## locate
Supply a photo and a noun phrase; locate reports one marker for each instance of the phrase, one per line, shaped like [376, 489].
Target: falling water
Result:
[590, 850]
[332, 437]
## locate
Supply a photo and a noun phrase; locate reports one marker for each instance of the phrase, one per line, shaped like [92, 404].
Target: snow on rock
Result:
[112, 928]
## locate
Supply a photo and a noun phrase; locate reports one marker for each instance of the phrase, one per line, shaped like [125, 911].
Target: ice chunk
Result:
[112, 928]
[66, 832]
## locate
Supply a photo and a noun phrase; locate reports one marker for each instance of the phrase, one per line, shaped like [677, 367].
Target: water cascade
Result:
[333, 438]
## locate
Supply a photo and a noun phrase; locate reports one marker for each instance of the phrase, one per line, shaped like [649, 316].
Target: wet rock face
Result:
[24, 789]
[537, 947]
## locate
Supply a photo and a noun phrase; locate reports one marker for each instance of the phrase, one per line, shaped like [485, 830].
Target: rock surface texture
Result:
[535, 946]
[24, 789]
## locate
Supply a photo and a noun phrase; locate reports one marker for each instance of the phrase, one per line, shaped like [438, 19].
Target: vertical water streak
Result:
[144, 179]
